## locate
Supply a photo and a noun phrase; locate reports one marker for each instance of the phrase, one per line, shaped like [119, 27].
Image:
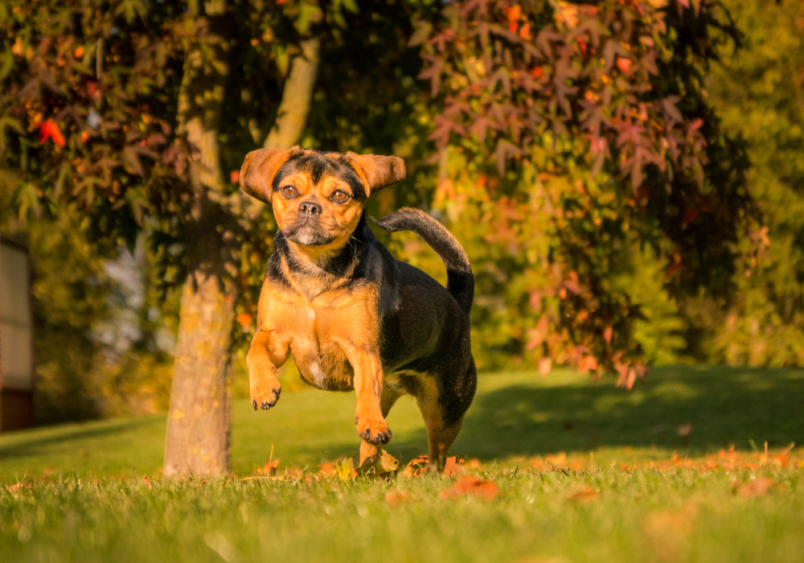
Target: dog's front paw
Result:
[373, 430]
[264, 395]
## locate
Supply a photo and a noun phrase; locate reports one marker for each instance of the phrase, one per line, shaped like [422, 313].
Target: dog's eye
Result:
[339, 196]
[290, 191]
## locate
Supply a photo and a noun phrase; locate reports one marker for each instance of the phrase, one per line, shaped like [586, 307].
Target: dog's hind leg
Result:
[443, 411]
[388, 397]
[440, 434]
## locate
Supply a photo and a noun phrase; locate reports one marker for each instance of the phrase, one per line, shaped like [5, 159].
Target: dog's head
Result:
[317, 197]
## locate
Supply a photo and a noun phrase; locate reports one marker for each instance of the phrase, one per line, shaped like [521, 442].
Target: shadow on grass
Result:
[79, 432]
[724, 406]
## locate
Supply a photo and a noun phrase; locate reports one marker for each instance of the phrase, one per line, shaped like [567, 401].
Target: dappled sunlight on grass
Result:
[515, 415]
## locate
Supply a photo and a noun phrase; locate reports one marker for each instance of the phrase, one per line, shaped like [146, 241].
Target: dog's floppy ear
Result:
[378, 171]
[258, 171]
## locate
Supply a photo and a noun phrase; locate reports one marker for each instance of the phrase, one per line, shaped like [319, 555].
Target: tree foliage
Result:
[576, 133]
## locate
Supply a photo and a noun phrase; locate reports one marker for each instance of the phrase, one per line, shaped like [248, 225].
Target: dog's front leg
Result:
[371, 425]
[266, 354]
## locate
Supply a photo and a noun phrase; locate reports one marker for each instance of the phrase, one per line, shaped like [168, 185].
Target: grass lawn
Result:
[580, 472]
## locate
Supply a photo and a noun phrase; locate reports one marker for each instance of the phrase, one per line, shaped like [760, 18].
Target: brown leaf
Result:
[754, 488]
[416, 467]
[452, 467]
[584, 495]
[685, 429]
[472, 486]
[395, 498]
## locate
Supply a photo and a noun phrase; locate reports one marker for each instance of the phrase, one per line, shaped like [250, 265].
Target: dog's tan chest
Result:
[319, 333]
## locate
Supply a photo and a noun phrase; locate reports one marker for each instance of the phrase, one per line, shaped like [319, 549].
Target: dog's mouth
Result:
[308, 233]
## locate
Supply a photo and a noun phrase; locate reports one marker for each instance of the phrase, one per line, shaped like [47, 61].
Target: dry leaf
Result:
[269, 468]
[584, 495]
[472, 486]
[452, 467]
[395, 498]
[754, 488]
[382, 465]
[416, 467]
[685, 429]
[666, 530]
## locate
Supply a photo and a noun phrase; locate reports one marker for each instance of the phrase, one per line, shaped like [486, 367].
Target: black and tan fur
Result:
[352, 316]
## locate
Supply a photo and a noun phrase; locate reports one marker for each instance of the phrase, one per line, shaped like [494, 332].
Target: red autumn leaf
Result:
[234, 176]
[472, 486]
[244, 319]
[92, 90]
[513, 13]
[607, 334]
[49, 129]
[512, 27]
[588, 363]
[524, 32]
[623, 64]
[536, 72]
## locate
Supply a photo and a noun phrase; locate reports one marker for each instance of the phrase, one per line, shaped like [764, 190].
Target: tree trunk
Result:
[296, 97]
[198, 420]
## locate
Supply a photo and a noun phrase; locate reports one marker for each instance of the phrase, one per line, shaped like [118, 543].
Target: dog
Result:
[354, 317]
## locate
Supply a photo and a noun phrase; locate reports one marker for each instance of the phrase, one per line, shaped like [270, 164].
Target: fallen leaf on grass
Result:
[584, 495]
[452, 467]
[755, 488]
[416, 467]
[472, 486]
[269, 468]
[666, 530]
[383, 465]
[395, 498]
[684, 429]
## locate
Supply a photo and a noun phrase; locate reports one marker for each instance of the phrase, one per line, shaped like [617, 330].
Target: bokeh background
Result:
[626, 177]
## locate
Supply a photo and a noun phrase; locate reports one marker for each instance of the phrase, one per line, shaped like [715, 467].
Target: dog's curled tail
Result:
[460, 280]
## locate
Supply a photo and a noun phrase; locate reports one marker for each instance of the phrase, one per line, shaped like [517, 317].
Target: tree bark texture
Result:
[296, 98]
[198, 420]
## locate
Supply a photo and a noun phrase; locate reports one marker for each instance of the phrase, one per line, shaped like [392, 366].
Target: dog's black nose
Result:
[309, 208]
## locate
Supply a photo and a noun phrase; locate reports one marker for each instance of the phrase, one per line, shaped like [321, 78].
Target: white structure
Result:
[16, 337]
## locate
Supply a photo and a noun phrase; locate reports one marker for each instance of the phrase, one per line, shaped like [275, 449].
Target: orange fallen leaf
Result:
[472, 486]
[269, 468]
[416, 467]
[584, 495]
[452, 467]
[755, 488]
[395, 498]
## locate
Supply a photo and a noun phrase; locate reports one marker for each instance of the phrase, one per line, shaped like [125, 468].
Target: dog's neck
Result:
[315, 269]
